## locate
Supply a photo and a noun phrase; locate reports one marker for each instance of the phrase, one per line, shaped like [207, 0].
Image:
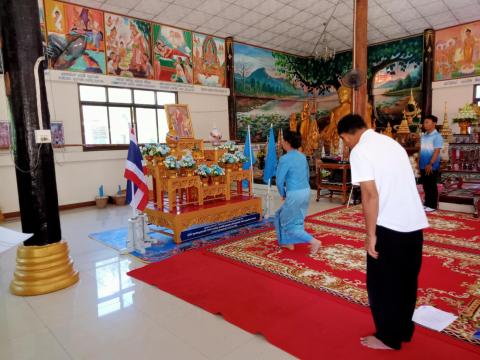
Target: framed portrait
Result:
[179, 120]
[4, 135]
[58, 137]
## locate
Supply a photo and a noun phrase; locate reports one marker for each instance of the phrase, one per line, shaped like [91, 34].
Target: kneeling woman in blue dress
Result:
[292, 180]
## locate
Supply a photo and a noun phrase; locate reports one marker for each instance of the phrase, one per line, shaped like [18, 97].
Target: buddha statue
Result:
[308, 131]
[388, 131]
[293, 122]
[330, 134]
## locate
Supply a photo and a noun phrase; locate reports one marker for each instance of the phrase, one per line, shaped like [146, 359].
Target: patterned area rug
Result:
[447, 229]
[449, 278]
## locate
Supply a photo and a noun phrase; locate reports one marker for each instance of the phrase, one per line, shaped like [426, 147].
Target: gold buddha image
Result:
[330, 134]
[308, 131]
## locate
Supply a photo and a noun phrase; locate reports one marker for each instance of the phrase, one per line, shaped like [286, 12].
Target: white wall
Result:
[79, 173]
[456, 97]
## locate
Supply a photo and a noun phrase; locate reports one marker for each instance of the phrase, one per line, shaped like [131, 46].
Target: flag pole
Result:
[269, 181]
[134, 211]
[251, 160]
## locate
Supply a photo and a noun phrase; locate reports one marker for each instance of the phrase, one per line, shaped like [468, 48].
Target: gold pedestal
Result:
[43, 269]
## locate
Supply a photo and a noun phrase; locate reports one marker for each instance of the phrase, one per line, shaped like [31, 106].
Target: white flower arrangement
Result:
[171, 162]
[163, 150]
[229, 146]
[203, 171]
[148, 150]
[216, 170]
[228, 158]
[241, 157]
[187, 161]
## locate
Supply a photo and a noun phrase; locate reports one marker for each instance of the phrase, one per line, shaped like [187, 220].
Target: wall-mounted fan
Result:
[354, 79]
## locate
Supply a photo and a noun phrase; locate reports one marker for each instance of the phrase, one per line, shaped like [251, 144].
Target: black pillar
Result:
[428, 50]
[35, 167]
[232, 113]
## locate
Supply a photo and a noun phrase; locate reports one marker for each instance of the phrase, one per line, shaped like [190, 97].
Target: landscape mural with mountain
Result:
[270, 85]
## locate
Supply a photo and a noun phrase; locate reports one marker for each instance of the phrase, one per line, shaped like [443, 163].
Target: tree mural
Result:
[314, 74]
[322, 75]
[387, 56]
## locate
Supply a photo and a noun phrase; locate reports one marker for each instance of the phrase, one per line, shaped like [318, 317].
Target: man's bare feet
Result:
[288, 246]
[314, 246]
[373, 343]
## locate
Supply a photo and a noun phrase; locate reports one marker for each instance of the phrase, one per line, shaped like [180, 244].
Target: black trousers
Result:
[392, 282]
[430, 188]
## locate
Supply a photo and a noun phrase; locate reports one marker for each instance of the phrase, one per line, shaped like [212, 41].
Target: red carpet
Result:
[447, 229]
[306, 322]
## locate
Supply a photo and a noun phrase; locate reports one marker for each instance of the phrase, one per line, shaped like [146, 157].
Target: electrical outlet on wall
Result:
[43, 136]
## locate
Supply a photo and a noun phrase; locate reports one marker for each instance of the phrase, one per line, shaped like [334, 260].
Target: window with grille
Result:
[108, 113]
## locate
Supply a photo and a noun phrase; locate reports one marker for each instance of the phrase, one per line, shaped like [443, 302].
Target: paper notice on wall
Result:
[433, 318]
[10, 238]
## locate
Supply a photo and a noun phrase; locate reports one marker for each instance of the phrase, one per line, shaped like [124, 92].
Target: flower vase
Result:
[229, 167]
[205, 181]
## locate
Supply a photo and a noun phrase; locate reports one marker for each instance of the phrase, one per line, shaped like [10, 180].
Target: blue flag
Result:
[247, 151]
[271, 160]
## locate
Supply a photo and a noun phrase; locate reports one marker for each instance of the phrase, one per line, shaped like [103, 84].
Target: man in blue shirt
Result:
[429, 162]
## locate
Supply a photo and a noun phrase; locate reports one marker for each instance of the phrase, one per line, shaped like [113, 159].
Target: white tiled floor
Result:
[109, 315]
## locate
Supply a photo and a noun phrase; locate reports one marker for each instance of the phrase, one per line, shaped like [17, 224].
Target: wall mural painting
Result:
[394, 72]
[128, 47]
[172, 54]
[457, 52]
[269, 87]
[208, 60]
[75, 37]
[277, 83]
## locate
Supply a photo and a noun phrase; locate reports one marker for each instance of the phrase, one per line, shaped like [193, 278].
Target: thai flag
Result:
[135, 174]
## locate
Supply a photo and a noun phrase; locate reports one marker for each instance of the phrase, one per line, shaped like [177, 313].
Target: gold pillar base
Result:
[43, 269]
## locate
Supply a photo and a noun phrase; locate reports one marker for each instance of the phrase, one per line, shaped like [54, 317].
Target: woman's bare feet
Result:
[314, 246]
[288, 246]
[373, 343]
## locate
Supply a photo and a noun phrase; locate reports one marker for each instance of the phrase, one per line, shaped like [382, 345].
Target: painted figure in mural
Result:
[180, 72]
[210, 55]
[137, 63]
[57, 15]
[468, 45]
[167, 52]
[188, 70]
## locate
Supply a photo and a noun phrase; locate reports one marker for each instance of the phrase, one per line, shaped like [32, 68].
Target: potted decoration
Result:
[187, 164]
[148, 151]
[171, 165]
[216, 173]
[120, 197]
[163, 150]
[229, 146]
[467, 116]
[242, 159]
[204, 172]
[101, 200]
[228, 161]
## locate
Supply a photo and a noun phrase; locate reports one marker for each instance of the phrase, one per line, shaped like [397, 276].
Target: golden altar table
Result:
[211, 212]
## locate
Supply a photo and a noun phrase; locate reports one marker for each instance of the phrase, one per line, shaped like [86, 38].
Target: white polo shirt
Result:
[380, 158]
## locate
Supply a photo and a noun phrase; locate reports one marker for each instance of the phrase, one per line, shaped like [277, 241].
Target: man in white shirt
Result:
[394, 219]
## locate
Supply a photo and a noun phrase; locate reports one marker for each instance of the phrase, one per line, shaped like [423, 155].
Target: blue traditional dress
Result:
[292, 173]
